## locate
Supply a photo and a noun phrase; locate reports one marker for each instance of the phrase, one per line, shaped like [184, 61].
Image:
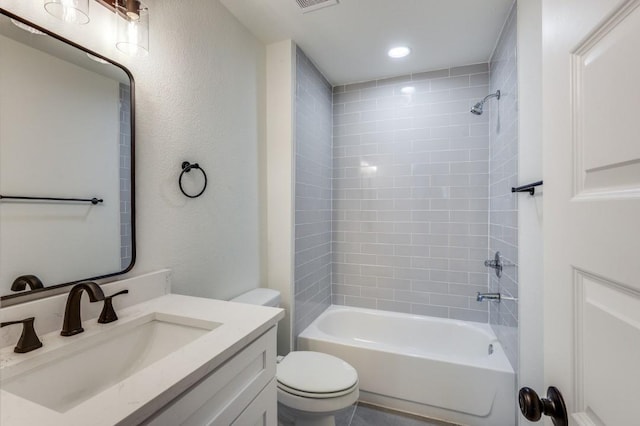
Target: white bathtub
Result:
[433, 367]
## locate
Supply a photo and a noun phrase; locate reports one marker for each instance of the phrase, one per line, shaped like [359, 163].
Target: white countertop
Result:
[146, 391]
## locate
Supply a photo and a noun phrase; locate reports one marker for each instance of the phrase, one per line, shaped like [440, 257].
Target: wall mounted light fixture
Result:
[73, 11]
[132, 20]
[133, 27]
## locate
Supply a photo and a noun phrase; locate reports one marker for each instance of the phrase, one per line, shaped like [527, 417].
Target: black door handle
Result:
[533, 407]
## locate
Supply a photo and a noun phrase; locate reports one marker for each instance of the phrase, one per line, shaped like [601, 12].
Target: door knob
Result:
[533, 407]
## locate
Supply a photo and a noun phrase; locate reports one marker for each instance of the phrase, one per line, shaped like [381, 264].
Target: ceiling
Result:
[349, 41]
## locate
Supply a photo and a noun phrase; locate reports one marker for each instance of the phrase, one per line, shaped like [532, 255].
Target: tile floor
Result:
[361, 414]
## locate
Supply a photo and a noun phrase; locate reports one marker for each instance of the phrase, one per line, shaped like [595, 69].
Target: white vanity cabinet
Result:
[241, 391]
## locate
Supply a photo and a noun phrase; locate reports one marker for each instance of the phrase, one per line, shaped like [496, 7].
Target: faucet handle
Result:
[108, 314]
[496, 264]
[28, 339]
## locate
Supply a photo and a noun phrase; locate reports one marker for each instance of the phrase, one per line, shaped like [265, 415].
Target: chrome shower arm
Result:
[492, 95]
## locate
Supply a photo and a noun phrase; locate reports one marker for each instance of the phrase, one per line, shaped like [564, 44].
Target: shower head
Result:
[477, 108]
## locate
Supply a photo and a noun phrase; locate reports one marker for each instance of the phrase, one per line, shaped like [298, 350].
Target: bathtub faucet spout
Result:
[488, 296]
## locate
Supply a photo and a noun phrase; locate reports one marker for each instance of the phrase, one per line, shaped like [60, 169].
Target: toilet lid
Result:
[315, 372]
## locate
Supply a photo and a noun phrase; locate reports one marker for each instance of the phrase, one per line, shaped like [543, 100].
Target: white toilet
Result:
[312, 386]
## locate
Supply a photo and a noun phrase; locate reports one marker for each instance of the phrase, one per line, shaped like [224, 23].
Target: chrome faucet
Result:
[488, 296]
[72, 323]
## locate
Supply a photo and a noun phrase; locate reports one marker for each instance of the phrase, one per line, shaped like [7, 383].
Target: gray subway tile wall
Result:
[313, 193]
[126, 249]
[411, 193]
[503, 217]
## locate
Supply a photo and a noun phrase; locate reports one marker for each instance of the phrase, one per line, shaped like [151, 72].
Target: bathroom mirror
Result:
[66, 135]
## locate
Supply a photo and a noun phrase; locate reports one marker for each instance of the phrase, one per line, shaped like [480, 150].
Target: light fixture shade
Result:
[133, 28]
[75, 11]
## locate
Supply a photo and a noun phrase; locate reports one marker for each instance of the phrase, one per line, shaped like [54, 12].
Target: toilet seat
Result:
[312, 395]
[315, 375]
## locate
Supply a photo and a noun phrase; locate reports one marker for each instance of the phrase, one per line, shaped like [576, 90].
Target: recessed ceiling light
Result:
[399, 52]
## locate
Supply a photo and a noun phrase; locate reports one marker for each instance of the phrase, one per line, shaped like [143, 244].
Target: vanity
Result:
[168, 360]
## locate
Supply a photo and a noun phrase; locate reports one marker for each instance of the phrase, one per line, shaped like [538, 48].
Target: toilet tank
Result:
[259, 296]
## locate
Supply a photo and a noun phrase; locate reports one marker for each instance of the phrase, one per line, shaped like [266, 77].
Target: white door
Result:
[591, 145]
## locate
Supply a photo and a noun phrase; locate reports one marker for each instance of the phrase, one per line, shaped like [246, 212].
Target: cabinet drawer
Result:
[263, 411]
[221, 396]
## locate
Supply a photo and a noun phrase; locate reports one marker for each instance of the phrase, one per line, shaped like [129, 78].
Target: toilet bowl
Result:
[312, 386]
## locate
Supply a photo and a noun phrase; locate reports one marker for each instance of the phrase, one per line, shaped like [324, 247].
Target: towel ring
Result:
[186, 168]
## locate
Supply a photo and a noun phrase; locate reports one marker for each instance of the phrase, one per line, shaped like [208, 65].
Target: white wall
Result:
[530, 208]
[280, 171]
[54, 113]
[199, 97]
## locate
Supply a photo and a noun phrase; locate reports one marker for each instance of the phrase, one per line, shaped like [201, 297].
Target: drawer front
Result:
[263, 411]
[220, 397]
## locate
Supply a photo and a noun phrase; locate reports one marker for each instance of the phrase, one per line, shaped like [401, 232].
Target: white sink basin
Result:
[78, 371]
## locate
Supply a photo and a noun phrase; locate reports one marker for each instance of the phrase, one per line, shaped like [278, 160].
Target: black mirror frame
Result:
[12, 299]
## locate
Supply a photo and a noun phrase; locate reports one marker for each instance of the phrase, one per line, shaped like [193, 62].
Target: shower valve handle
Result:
[496, 264]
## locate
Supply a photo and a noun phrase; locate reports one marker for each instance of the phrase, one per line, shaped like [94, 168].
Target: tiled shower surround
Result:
[503, 216]
[313, 163]
[126, 248]
[410, 193]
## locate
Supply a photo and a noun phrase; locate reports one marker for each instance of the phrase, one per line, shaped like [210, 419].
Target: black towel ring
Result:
[186, 168]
